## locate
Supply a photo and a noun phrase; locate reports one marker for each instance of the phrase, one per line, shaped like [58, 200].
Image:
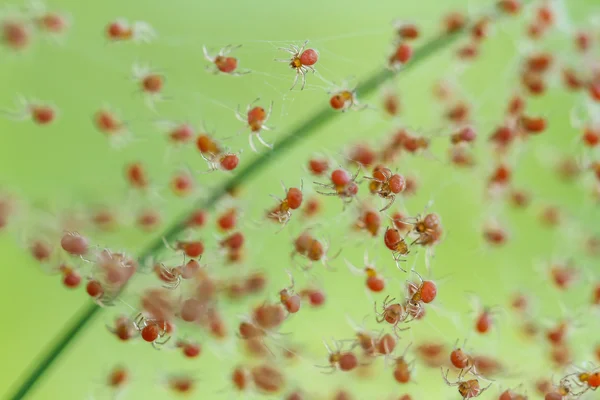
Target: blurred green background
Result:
[70, 164]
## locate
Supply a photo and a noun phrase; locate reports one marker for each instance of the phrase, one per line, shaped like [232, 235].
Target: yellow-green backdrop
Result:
[70, 163]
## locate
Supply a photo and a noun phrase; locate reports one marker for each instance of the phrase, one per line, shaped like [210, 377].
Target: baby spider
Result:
[402, 368]
[223, 63]
[386, 185]
[397, 244]
[49, 22]
[256, 117]
[34, 110]
[367, 340]
[428, 228]
[374, 281]
[124, 328]
[122, 30]
[401, 54]
[150, 83]
[368, 220]
[562, 391]
[313, 249]
[467, 389]
[406, 30]
[344, 100]
[288, 297]
[101, 292]
[462, 360]
[171, 276]
[224, 161]
[392, 313]
[302, 61]
[587, 380]
[15, 34]
[423, 293]
[151, 330]
[342, 185]
[283, 211]
[339, 359]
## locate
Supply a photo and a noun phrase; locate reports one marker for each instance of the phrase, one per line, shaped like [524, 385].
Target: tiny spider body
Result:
[468, 389]
[386, 185]
[344, 100]
[301, 60]
[423, 293]
[283, 211]
[289, 299]
[170, 276]
[124, 328]
[460, 359]
[122, 30]
[269, 317]
[370, 221]
[402, 368]
[401, 55]
[586, 380]
[375, 282]
[33, 110]
[108, 122]
[223, 62]
[313, 249]
[15, 34]
[392, 313]
[52, 23]
[342, 185]
[151, 83]
[215, 155]
[406, 30]
[255, 119]
[396, 243]
[429, 230]
[151, 330]
[339, 359]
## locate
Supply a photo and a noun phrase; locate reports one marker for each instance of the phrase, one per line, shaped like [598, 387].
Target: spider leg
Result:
[261, 140]
[225, 50]
[357, 172]
[269, 112]
[327, 194]
[301, 48]
[303, 79]
[389, 204]
[329, 367]
[251, 142]
[485, 388]
[240, 73]
[398, 265]
[256, 100]
[206, 55]
[239, 116]
[295, 79]
[229, 48]
[291, 50]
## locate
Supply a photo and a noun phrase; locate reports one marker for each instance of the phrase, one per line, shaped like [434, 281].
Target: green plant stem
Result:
[308, 127]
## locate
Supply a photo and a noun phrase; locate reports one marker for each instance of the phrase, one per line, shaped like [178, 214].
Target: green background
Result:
[70, 165]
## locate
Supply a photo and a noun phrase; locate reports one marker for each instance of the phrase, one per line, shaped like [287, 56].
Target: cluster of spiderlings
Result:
[184, 304]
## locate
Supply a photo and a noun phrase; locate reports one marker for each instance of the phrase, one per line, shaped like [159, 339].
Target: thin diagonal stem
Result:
[307, 128]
